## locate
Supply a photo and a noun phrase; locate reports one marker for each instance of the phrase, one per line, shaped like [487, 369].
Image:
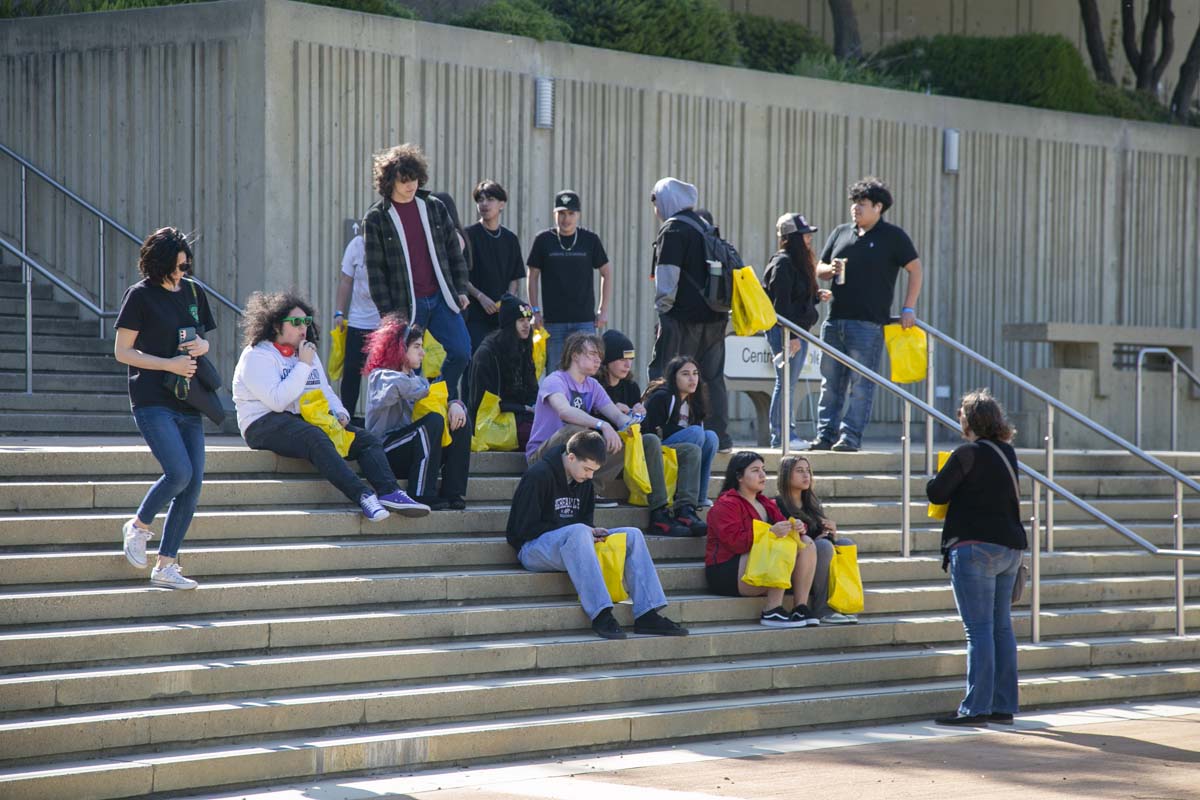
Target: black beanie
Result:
[617, 346]
[510, 310]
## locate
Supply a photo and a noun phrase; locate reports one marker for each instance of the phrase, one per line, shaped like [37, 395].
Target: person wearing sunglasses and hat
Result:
[790, 280]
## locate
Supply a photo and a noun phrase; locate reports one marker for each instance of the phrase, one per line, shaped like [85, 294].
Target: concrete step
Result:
[58, 422]
[46, 343]
[112, 382]
[102, 363]
[383, 747]
[11, 307]
[87, 328]
[64, 401]
[16, 289]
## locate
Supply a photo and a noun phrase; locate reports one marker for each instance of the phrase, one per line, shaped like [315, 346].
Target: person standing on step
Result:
[790, 280]
[157, 313]
[982, 542]
[414, 256]
[503, 365]
[496, 265]
[863, 258]
[278, 366]
[676, 408]
[551, 528]
[414, 445]
[561, 262]
[797, 499]
[731, 535]
[358, 320]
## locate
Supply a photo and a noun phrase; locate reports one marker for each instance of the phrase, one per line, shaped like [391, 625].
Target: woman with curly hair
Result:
[503, 365]
[279, 365]
[414, 446]
[676, 406]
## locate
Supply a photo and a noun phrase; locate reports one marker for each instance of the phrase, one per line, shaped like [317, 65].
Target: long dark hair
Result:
[697, 401]
[264, 315]
[801, 256]
[739, 462]
[809, 509]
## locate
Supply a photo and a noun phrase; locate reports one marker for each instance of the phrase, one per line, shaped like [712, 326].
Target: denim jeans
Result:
[356, 339]
[820, 585]
[571, 549]
[559, 331]
[706, 440]
[862, 341]
[177, 440]
[705, 342]
[449, 328]
[775, 338]
[982, 576]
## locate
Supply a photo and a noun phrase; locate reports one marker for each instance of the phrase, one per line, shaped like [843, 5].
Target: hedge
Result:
[696, 30]
[517, 17]
[35, 8]
[774, 45]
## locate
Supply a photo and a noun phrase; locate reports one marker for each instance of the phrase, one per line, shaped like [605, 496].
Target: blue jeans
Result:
[775, 338]
[559, 331]
[448, 327]
[177, 440]
[571, 549]
[862, 341]
[707, 442]
[982, 576]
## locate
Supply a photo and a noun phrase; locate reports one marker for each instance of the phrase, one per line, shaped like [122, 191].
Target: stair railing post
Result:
[27, 279]
[929, 392]
[24, 213]
[100, 292]
[785, 410]
[1050, 476]
[1035, 576]
[906, 481]
[1174, 404]
[1180, 607]
[1137, 401]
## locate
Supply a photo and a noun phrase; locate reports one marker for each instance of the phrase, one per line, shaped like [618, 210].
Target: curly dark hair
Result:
[264, 315]
[739, 462]
[872, 189]
[404, 162]
[697, 402]
[985, 417]
[159, 253]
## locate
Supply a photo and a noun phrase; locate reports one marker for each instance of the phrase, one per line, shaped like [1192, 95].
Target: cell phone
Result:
[187, 334]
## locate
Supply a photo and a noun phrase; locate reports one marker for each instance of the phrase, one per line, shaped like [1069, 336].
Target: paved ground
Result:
[1134, 751]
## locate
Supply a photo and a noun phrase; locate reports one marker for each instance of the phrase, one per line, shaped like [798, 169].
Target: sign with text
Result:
[750, 357]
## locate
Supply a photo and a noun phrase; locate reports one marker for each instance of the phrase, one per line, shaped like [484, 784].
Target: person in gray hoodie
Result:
[686, 324]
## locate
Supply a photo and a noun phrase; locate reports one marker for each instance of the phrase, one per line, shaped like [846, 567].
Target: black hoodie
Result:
[502, 369]
[546, 500]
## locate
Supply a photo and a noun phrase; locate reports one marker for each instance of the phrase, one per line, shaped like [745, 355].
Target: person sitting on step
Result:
[414, 446]
[552, 529]
[676, 407]
[503, 365]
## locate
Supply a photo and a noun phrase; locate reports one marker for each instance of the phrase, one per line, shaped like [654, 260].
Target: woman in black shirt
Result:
[982, 540]
[616, 373]
[503, 365]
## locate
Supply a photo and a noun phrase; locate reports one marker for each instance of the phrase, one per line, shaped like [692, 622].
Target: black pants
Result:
[415, 452]
[705, 342]
[356, 338]
[289, 435]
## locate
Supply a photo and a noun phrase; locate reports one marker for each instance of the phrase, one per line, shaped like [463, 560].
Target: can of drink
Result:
[840, 278]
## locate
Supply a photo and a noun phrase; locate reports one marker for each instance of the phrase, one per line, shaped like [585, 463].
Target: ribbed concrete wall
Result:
[1051, 217]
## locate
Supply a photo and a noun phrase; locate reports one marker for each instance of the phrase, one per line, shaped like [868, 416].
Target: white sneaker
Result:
[373, 510]
[135, 543]
[837, 618]
[169, 577]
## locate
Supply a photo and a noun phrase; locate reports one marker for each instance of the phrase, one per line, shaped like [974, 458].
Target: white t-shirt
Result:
[362, 313]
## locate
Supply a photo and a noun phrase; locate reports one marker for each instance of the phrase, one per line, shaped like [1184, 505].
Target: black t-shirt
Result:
[157, 315]
[626, 391]
[566, 280]
[495, 262]
[682, 246]
[872, 262]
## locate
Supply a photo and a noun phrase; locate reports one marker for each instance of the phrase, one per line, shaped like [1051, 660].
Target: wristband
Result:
[536, 309]
[600, 425]
[337, 314]
[909, 309]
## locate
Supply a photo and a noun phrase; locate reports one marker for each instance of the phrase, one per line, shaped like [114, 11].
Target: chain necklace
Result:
[574, 239]
[499, 230]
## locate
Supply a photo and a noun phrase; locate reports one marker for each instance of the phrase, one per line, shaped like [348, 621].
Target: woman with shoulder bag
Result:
[982, 543]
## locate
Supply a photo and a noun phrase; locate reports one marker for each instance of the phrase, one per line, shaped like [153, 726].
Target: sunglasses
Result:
[526, 313]
[298, 321]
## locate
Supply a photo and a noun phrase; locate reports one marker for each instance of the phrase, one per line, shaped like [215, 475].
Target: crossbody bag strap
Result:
[1011, 473]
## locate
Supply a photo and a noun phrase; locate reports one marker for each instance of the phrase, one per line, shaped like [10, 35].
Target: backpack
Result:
[717, 290]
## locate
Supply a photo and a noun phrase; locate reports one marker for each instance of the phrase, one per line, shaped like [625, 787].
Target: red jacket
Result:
[731, 525]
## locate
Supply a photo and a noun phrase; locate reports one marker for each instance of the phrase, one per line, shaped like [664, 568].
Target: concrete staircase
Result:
[318, 643]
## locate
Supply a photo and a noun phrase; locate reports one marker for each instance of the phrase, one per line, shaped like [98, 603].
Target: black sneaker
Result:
[661, 524]
[976, 721]
[820, 444]
[687, 516]
[843, 445]
[605, 502]
[606, 627]
[456, 503]
[655, 624]
[434, 502]
[1003, 719]
[778, 618]
[801, 614]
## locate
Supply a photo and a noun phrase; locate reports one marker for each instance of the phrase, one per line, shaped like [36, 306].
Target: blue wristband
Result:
[909, 309]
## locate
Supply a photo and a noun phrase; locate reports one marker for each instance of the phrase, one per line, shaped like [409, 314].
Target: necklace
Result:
[496, 235]
[574, 239]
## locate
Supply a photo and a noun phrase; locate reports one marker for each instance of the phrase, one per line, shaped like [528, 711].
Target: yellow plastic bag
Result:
[611, 555]
[752, 309]
[337, 351]
[670, 473]
[772, 558]
[845, 581]
[907, 350]
[938, 510]
[636, 476]
[540, 336]
[314, 409]
[435, 401]
[435, 354]
[494, 429]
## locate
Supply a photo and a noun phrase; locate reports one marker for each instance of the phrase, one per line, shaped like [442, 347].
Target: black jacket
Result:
[980, 492]
[788, 287]
[662, 413]
[547, 500]
[504, 374]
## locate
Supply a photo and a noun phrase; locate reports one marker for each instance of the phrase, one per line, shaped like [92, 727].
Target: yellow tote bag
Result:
[611, 555]
[772, 558]
[845, 581]
[435, 401]
[337, 351]
[752, 309]
[540, 336]
[670, 473]
[435, 354]
[494, 429]
[907, 350]
[938, 510]
[314, 409]
[635, 474]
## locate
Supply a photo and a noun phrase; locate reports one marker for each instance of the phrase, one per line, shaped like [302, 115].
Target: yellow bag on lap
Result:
[670, 473]
[611, 555]
[435, 401]
[752, 309]
[772, 558]
[337, 352]
[845, 581]
[494, 429]
[540, 336]
[938, 510]
[314, 409]
[435, 354]
[637, 477]
[907, 350]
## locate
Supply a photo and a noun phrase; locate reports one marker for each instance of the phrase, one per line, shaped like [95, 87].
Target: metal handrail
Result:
[50, 276]
[1052, 488]
[1177, 363]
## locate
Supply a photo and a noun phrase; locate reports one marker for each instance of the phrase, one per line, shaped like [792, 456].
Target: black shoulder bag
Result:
[1022, 571]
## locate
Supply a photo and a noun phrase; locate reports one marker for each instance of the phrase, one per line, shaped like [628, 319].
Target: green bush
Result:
[697, 30]
[828, 68]
[774, 45]
[518, 17]
[1130, 104]
[37, 8]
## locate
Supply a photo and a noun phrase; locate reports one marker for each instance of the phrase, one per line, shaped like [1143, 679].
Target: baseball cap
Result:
[566, 200]
[793, 223]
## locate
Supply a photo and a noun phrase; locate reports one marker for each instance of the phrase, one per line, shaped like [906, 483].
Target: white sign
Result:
[751, 357]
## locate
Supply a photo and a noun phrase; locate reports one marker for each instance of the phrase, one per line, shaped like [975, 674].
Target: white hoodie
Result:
[266, 380]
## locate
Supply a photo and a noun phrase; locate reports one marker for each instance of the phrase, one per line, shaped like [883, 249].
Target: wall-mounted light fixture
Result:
[950, 151]
[543, 111]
